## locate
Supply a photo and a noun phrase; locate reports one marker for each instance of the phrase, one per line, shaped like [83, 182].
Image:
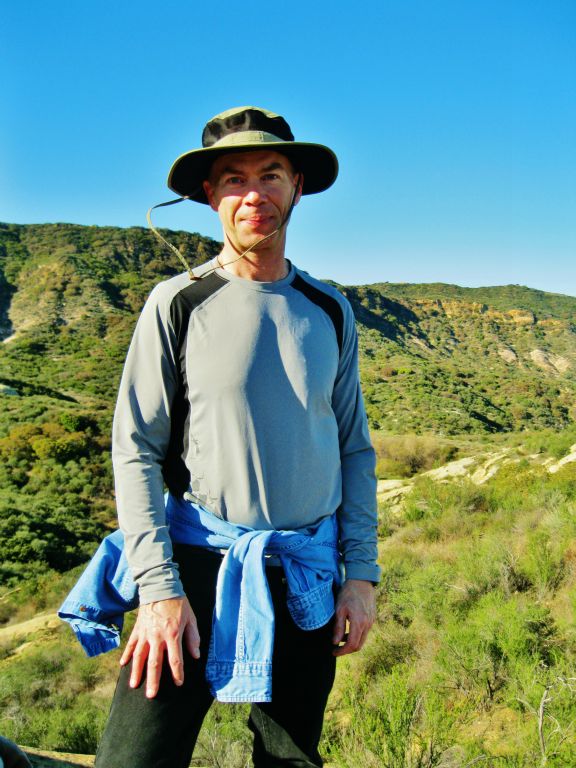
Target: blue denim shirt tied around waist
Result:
[239, 665]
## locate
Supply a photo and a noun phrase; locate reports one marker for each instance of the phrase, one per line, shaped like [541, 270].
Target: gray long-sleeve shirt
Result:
[243, 397]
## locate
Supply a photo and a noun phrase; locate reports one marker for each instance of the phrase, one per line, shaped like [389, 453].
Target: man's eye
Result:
[233, 180]
[271, 176]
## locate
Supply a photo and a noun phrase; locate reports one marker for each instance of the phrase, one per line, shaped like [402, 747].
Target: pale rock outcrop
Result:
[553, 323]
[550, 362]
[460, 308]
[568, 459]
[490, 467]
[458, 468]
[421, 343]
[521, 316]
[508, 354]
[477, 469]
[392, 491]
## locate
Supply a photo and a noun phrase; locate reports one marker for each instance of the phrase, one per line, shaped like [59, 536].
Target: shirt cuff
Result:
[363, 572]
[154, 594]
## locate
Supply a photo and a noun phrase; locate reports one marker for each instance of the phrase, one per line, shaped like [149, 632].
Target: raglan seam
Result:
[314, 286]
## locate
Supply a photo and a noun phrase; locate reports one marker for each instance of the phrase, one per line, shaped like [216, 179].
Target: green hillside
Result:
[69, 298]
[449, 360]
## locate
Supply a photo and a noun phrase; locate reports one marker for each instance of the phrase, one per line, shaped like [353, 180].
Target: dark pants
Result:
[162, 732]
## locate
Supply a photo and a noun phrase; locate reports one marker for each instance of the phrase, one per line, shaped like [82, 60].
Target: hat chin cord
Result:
[219, 264]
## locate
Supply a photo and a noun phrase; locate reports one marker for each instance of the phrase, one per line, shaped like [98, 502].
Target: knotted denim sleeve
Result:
[96, 605]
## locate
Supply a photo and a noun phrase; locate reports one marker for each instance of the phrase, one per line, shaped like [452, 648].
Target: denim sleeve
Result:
[105, 591]
[357, 515]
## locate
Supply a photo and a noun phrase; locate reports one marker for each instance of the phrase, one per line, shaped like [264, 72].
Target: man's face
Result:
[252, 193]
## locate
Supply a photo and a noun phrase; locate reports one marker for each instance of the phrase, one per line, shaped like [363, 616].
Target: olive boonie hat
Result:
[250, 128]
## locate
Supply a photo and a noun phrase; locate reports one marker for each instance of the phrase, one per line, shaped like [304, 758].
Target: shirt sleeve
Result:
[357, 516]
[140, 438]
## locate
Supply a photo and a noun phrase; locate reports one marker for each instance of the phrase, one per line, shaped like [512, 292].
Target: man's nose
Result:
[255, 193]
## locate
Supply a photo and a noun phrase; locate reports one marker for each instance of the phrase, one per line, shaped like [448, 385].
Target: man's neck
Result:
[264, 266]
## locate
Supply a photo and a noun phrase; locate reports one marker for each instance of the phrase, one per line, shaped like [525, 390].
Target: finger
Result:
[354, 636]
[128, 650]
[154, 670]
[339, 628]
[138, 661]
[355, 640]
[352, 639]
[343, 650]
[364, 638]
[340, 644]
[192, 639]
[175, 660]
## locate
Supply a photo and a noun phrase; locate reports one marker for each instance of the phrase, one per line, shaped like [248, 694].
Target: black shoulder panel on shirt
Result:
[176, 475]
[186, 301]
[325, 302]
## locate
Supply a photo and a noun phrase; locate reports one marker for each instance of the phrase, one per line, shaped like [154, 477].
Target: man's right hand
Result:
[160, 627]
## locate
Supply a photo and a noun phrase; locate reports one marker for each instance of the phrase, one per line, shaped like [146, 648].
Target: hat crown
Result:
[242, 119]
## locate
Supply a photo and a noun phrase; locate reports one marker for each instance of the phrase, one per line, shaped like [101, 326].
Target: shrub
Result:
[405, 456]
[479, 654]
[454, 502]
[390, 724]
[543, 561]
[224, 740]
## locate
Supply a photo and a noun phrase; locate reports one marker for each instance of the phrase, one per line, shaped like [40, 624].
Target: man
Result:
[240, 393]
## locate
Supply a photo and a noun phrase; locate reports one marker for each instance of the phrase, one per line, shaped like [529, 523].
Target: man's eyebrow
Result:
[229, 169]
[274, 166]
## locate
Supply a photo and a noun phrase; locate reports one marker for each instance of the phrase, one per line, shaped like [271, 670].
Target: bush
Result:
[405, 456]
[543, 561]
[478, 656]
[225, 740]
[452, 502]
[556, 443]
[391, 724]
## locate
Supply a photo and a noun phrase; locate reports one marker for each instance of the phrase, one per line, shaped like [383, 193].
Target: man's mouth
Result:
[256, 217]
[256, 221]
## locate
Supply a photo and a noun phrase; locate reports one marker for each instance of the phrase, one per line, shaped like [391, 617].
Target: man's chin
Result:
[252, 240]
[259, 230]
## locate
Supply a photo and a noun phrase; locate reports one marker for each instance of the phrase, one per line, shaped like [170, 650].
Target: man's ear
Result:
[300, 184]
[209, 192]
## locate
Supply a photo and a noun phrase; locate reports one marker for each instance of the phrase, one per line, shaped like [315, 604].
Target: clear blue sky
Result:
[454, 122]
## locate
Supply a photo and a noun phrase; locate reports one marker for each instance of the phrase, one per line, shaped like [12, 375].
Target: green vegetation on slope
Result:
[502, 297]
[432, 360]
[69, 298]
[474, 654]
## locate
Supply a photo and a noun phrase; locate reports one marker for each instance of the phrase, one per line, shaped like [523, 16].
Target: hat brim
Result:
[317, 163]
